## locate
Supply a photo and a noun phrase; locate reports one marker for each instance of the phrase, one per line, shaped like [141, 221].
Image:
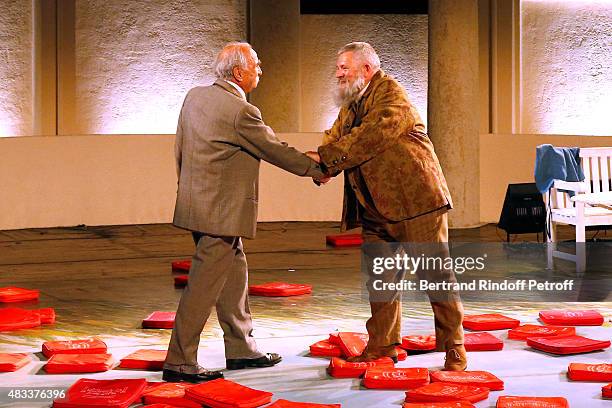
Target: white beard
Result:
[344, 95]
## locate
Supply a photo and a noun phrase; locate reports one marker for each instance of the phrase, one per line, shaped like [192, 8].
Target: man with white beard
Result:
[394, 188]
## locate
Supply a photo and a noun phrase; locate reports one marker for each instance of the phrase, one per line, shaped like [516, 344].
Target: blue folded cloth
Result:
[556, 163]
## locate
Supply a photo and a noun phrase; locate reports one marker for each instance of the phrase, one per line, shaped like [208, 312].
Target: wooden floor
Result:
[104, 280]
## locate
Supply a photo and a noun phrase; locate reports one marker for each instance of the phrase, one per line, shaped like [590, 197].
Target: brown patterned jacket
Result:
[384, 138]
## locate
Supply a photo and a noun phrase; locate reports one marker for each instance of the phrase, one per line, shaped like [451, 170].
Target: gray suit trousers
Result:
[218, 277]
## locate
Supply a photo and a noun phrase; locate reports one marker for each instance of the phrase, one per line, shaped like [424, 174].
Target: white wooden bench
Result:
[591, 206]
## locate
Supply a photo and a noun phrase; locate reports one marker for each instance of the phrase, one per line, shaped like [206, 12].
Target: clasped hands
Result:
[315, 156]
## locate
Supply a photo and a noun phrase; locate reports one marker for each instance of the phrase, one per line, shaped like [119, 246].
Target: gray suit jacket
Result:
[220, 140]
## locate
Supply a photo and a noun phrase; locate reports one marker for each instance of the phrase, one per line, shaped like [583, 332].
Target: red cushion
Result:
[159, 320]
[15, 294]
[567, 344]
[290, 404]
[340, 368]
[47, 315]
[84, 346]
[441, 392]
[490, 321]
[222, 393]
[482, 342]
[401, 354]
[279, 289]
[352, 344]
[78, 363]
[453, 404]
[475, 378]
[170, 393]
[144, 359]
[572, 317]
[14, 318]
[182, 265]
[344, 240]
[522, 402]
[589, 372]
[533, 330]
[324, 348]
[161, 406]
[13, 361]
[606, 391]
[102, 393]
[395, 378]
[419, 343]
[181, 280]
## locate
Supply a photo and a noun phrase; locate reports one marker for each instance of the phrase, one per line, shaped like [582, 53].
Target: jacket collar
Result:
[223, 84]
[372, 84]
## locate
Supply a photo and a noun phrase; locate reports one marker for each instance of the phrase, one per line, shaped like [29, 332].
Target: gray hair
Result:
[234, 54]
[364, 51]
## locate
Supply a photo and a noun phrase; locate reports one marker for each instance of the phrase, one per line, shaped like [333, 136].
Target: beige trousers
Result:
[218, 278]
[384, 327]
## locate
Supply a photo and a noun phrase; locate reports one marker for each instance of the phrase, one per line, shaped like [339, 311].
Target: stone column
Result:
[275, 35]
[453, 104]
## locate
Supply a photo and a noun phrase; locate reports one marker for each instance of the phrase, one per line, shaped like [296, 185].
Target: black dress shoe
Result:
[268, 360]
[175, 376]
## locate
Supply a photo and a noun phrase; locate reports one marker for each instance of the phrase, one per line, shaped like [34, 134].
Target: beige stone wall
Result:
[566, 66]
[400, 40]
[136, 60]
[16, 68]
[131, 179]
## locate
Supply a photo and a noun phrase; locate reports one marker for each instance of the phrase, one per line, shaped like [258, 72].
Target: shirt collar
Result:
[363, 91]
[239, 89]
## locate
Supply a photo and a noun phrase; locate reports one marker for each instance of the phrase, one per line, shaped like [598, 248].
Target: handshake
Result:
[315, 156]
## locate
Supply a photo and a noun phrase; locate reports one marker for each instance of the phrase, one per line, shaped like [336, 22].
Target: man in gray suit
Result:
[220, 141]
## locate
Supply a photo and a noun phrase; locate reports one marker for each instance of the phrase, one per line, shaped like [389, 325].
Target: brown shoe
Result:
[456, 358]
[375, 354]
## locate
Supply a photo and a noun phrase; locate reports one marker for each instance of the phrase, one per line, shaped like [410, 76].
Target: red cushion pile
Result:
[14, 318]
[325, 348]
[181, 280]
[340, 368]
[453, 404]
[442, 392]
[222, 393]
[14, 294]
[490, 321]
[47, 315]
[589, 372]
[152, 360]
[78, 363]
[419, 343]
[83, 346]
[482, 342]
[572, 317]
[533, 330]
[606, 391]
[475, 378]
[344, 240]
[170, 393]
[395, 378]
[10, 362]
[159, 320]
[290, 404]
[567, 344]
[182, 265]
[102, 393]
[279, 289]
[522, 402]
